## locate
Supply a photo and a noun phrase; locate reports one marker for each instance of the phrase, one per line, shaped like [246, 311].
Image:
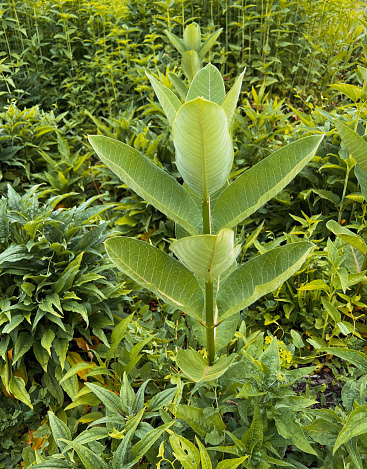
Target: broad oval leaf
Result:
[207, 255]
[353, 92]
[347, 236]
[190, 64]
[168, 100]
[230, 102]
[204, 151]
[158, 272]
[150, 182]
[197, 369]
[192, 37]
[262, 182]
[355, 144]
[259, 276]
[355, 425]
[17, 387]
[208, 84]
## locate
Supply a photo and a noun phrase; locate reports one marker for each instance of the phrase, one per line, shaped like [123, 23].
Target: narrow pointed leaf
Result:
[190, 64]
[197, 369]
[180, 86]
[149, 182]
[148, 440]
[347, 236]
[355, 144]
[108, 398]
[208, 84]
[177, 42]
[195, 417]
[168, 100]
[118, 334]
[204, 152]
[207, 255]
[204, 456]
[192, 37]
[17, 387]
[262, 182]
[259, 276]
[209, 43]
[288, 427]
[89, 458]
[355, 425]
[361, 176]
[59, 430]
[158, 272]
[362, 72]
[230, 103]
[231, 463]
[120, 458]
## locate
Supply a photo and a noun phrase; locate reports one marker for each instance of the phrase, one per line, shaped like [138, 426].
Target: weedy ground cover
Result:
[249, 350]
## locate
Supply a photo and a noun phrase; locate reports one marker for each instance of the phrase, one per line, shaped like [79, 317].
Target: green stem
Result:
[209, 290]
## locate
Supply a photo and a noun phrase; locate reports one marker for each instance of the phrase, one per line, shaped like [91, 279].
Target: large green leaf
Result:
[355, 425]
[262, 182]
[168, 100]
[150, 182]
[17, 387]
[208, 84]
[356, 358]
[288, 427]
[204, 152]
[158, 272]
[355, 144]
[190, 64]
[347, 236]
[230, 103]
[185, 452]
[197, 369]
[192, 37]
[259, 276]
[207, 255]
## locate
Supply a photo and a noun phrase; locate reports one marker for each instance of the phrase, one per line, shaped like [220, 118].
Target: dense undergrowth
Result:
[73, 328]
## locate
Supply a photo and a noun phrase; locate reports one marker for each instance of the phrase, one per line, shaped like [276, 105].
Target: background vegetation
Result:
[70, 322]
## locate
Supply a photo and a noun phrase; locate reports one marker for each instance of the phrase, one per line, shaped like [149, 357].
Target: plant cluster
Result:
[185, 288]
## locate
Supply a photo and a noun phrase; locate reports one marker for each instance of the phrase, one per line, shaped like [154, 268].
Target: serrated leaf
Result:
[153, 269]
[121, 456]
[208, 84]
[262, 182]
[59, 430]
[108, 398]
[47, 339]
[149, 182]
[148, 440]
[23, 343]
[17, 387]
[352, 91]
[259, 276]
[162, 399]
[168, 100]
[200, 134]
